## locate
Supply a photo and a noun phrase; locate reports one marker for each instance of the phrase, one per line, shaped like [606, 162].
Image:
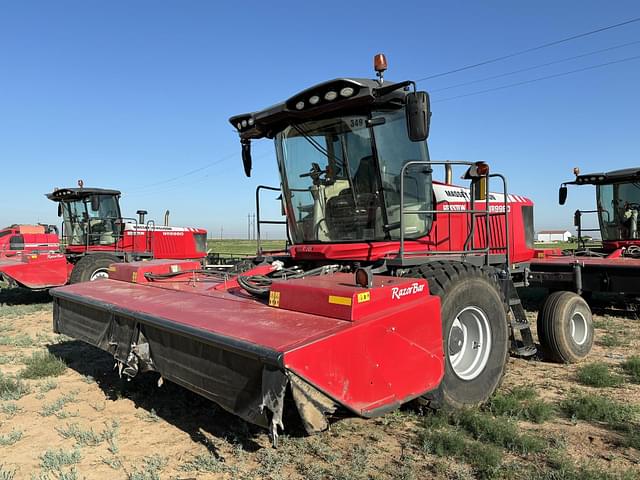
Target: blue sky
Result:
[136, 95]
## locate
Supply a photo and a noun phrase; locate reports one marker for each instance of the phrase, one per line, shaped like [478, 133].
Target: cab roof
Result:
[60, 194]
[365, 92]
[614, 176]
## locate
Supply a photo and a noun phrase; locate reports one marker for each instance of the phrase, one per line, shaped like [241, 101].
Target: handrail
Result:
[472, 213]
[259, 221]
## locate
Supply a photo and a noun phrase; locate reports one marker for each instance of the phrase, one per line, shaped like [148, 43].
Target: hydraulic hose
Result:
[260, 285]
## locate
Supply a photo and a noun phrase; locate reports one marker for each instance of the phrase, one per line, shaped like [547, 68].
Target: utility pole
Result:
[255, 236]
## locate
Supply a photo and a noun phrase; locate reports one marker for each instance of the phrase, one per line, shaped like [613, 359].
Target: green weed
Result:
[521, 403]
[584, 406]
[20, 340]
[597, 374]
[6, 474]
[5, 359]
[10, 409]
[559, 468]
[6, 326]
[499, 431]
[43, 364]
[53, 460]
[12, 388]
[632, 368]
[484, 459]
[612, 339]
[10, 438]
[82, 437]
[206, 463]
[55, 407]
[148, 416]
[114, 463]
[47, 386]
[153, 465]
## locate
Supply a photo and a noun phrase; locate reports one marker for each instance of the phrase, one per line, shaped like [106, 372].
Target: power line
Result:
[188, 183]
[186, 174]
[532, 49]
[547, 77]
[541, 65]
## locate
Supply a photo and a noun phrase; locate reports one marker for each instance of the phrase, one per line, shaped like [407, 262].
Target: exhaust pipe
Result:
[448, 173]
[141, 215]
[166, 218]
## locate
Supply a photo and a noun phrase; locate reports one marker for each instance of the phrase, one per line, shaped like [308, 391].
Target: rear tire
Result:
[92, 267]
[565, 327]
[474, 330]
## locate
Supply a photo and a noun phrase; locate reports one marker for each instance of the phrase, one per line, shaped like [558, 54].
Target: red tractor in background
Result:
[95, 235]
[613, 268]
[396, 287]
[16, 240]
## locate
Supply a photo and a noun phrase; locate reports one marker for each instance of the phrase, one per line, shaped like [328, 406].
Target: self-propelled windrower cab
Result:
[396, 287]
[94, 235]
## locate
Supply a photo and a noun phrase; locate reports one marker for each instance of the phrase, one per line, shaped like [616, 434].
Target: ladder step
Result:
[526, 351]
[515, 301]
[519, 325]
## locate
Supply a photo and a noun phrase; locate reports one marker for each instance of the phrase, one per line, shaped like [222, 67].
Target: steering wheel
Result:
[315, 173]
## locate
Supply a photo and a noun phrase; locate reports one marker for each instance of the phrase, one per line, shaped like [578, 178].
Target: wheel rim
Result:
[469, 343]
[579, 329]
[100, 273]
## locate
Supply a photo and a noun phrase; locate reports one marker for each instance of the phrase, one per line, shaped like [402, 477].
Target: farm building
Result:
[553, 236]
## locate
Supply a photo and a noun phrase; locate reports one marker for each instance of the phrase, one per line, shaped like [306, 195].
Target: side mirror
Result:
[95, 203]
[577, 218]
[562, 195]
[246, 156]
[59, 209]
[418, 112]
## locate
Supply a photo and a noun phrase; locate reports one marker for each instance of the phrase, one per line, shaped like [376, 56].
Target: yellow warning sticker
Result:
[364, 297]
[111, 269]
[134, 277]
[339, 300]
[274, 299]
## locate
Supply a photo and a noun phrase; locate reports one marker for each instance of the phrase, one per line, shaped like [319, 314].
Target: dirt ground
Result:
[89, 423]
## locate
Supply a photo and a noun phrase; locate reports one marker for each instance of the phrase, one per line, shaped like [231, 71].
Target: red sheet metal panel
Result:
[215, 312]
[378, 363]
[384, 350]
[337, 295]
[135, 271]
[37, 270]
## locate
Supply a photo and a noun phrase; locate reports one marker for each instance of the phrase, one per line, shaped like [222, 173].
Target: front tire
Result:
[92, 267]
[474, 329]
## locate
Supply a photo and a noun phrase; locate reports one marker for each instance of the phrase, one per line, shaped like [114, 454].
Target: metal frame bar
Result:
[472, 213]
[259, 221]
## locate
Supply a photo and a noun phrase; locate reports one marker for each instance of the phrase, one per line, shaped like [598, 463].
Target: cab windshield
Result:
[619, 210]
[90, 220]
[342, 178]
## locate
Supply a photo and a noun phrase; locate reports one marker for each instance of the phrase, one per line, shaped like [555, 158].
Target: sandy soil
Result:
[168, 432]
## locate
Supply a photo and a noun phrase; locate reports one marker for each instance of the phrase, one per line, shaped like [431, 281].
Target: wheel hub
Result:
[469, 343]
[579, 328]
[100, 273]
[456, 340]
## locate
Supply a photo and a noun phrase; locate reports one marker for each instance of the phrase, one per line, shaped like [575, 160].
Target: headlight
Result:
[346, 92]
[330, 95]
